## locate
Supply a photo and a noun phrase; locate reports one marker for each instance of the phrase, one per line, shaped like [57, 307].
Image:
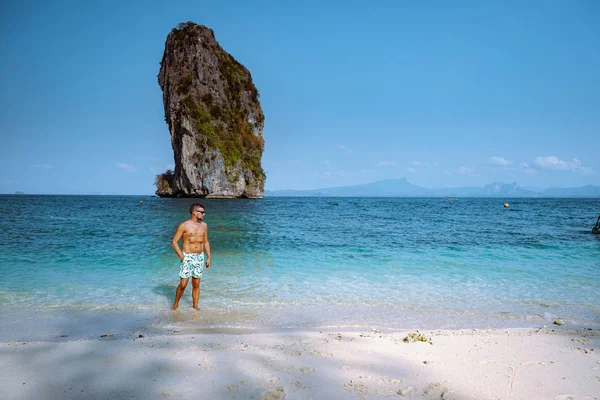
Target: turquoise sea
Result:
[80, 266]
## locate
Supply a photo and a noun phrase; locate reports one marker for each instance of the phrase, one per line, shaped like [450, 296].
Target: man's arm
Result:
[175, 241]
[207, 247]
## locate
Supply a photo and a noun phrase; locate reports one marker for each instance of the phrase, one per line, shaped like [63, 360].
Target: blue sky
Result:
[442, 93]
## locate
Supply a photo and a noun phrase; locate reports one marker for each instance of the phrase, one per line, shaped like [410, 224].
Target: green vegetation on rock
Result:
[164, 181]
[186, 32]
[235, 143]
[184, 86]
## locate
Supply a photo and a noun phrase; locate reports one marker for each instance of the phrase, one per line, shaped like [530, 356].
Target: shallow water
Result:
[86, 263]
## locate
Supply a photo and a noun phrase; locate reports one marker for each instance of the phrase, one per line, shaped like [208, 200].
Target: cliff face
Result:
[214, 117]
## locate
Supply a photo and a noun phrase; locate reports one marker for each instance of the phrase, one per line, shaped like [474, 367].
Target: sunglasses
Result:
[200, 211]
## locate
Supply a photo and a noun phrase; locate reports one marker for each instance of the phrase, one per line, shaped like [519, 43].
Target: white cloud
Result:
[329, 174]
[499, 161]
[387, 163]
[465, 170]
[552, 162]
[127, 167]
[411, 170]
[346, 149]
[43, 166]
[528, 168]
[418, 163]
[587, 171]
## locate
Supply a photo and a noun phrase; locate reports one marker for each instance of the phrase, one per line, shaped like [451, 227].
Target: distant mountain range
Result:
[403, 188]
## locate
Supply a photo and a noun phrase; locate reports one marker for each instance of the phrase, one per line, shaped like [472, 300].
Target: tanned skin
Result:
[194, 233]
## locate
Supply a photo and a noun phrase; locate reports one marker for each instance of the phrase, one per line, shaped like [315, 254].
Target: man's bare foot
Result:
[197, 308]
[175, 306]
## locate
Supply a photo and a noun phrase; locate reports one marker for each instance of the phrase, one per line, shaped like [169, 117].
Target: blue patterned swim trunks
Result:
[192, 265]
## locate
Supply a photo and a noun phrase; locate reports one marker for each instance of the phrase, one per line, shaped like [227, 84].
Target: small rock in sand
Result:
[356, 387]
[414, 337]
[408, 392]
[435, 391]
[307, 370]
[277, 393]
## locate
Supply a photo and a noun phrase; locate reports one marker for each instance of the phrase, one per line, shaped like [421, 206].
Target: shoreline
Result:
[511, 363]
[35, 325]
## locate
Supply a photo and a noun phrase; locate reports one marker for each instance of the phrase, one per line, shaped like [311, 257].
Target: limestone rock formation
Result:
[214, 117]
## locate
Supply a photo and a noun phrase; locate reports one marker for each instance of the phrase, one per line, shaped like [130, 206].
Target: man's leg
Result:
[195, 292]
[180, 289]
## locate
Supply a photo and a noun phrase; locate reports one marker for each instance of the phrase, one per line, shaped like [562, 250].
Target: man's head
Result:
[197, 209]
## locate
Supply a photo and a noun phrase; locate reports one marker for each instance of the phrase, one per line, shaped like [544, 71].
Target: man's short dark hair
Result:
[194, 206]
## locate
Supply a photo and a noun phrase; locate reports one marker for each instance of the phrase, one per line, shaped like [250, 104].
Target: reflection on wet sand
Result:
[184, 320]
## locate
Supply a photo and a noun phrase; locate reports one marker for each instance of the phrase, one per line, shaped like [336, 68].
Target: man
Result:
[195, 243]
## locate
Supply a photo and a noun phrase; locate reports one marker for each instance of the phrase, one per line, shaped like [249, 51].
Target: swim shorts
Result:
[192, 265]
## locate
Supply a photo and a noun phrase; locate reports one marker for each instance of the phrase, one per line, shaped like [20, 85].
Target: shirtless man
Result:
[195, 243]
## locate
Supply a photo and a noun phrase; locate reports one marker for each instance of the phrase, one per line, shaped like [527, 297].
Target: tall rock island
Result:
[214, 117]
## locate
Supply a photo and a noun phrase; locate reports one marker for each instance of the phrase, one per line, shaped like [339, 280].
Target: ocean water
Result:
[77, 266]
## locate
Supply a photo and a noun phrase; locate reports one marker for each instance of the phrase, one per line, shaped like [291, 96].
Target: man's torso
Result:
[193, 237]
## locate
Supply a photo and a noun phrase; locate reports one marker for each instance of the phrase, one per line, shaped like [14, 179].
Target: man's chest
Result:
[193, 233]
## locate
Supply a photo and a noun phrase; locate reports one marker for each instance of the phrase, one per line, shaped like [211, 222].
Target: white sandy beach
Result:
[465, 364]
